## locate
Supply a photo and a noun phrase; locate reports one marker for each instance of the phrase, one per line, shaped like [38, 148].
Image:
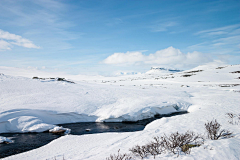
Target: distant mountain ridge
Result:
[126, 73]
[161, 70]
[166, 69]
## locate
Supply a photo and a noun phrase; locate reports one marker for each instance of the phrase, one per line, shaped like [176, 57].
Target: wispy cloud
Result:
[218, 31]
[162, 27]
[230, 39]
[114, 22]
[169, 56]
[37, 12]
[44, 21]
[219, 41]
[7, 40]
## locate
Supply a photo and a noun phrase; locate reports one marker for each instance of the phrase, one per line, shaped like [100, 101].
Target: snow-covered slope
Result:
[208, 93]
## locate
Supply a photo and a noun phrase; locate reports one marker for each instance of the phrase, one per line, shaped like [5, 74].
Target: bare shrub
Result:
[140, 151]
[54, 158]
[177, 142]
[234, 119]
[174, 143]
[214, 131]
[120, 156]
[155, 147]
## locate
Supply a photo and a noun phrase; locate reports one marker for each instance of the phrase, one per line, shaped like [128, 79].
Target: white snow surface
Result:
[30, 105]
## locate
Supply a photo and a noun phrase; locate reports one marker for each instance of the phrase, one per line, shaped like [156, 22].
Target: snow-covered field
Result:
[36, 105]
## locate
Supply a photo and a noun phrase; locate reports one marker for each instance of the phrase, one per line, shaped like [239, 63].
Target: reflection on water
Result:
[102, 126]
[24, 142]
[92, 127]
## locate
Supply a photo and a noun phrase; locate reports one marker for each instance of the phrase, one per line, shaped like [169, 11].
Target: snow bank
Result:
[58, 129]
[5, 140]
[24, 124]
[28, 120]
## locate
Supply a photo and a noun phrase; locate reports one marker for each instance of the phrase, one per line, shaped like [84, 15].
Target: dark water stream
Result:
[27, 141]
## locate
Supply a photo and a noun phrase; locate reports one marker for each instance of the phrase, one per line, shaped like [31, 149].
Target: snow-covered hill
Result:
[206, 92]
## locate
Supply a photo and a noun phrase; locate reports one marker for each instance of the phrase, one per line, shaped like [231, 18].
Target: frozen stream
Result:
[27, 141]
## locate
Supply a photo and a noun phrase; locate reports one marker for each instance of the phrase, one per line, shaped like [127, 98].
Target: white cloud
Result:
[128, 57]
[4, 45]
[7, 40]
[169, 57]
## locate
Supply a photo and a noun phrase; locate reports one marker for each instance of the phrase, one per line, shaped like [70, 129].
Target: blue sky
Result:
[109, 36]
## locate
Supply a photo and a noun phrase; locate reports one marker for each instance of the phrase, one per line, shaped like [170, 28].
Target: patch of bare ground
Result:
[194, 71]
[57, 79]
[188, 75]
[228, 85]
[220, 67]
[235, 72]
